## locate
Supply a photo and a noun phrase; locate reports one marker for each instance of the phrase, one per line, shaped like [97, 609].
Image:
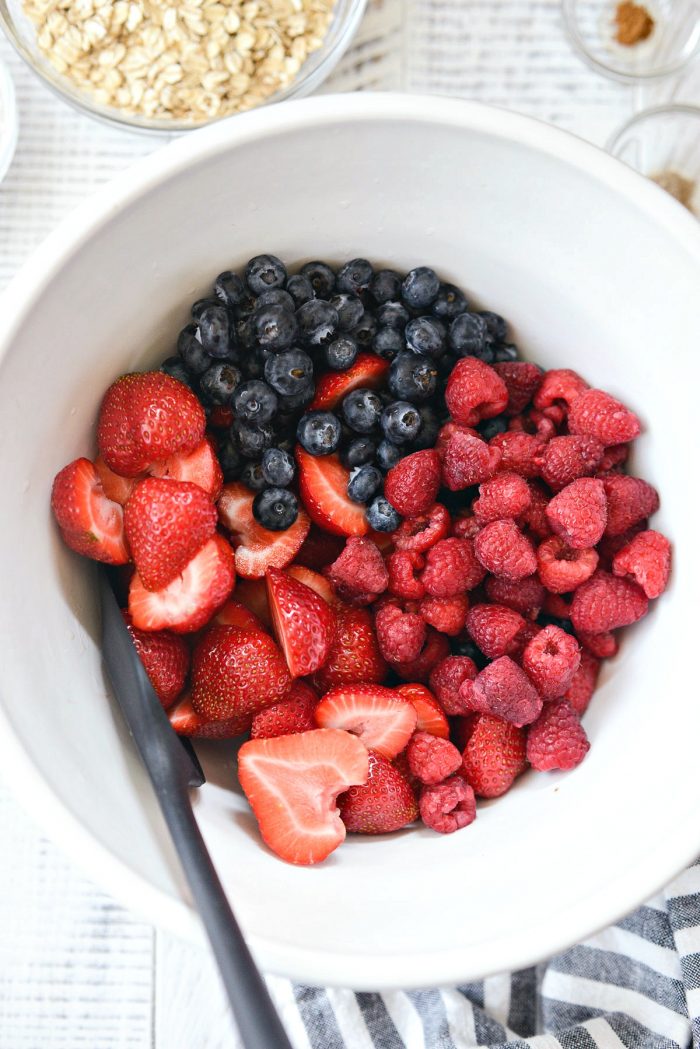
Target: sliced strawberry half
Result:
[323, 483]
[116, 487]
[431, 717]
[186, 604]
[316, 581]
[303, 622]
[187, 722]
[235, 613]
[382, 718]
[90, 523]
[257, 548]
[292, 783]
[368, 371]
[200, 467]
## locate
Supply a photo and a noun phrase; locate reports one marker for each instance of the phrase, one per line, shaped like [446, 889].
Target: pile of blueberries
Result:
[260, 342]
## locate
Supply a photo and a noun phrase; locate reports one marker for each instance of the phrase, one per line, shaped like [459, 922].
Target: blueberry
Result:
[420, 288]
[252, 476]
[318, 323]
[361, 410]
[198, 307]
[191, 350]
[466, 647]
[253, 362]
[322, 278]
[276, 509]
[175, 367]
[285, 443]
[290, 373]
[364, 483]
[388, 454]
[358, 451]
[506, 352]
[385, 286]
[255, 402]
[319, 432]
[491, 427]
[265, 272]
[388, 342]
[216, 332]
[294, 402]
[220, 381]
[445, 364]
[450, 302]
[400, 422]
[230, 460]
[349, 309]
[381, 515]
[300, 289]
[429, 429]
[355, 276]
[412, 377]
[253, 439]
[275, 327]
[341, 353]
[424, 335]
[468, 336]
[230, 289]
[393, 315]
[364, 332]
[495, 325]
[277, 467]
[564, 624]
[245, 334]
[275, 297]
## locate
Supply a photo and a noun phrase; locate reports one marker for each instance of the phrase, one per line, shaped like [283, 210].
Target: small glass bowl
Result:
[8, 120]
[673, 41]
[346, 18]
[663, 143]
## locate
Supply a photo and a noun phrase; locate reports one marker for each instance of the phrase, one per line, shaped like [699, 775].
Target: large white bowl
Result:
[598, 270]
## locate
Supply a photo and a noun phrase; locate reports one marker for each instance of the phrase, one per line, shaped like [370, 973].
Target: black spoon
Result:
[173, 768]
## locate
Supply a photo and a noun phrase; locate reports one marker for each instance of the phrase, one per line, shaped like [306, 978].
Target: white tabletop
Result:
[77, 971]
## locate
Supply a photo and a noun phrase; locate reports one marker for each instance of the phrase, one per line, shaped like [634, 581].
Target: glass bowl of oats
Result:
[175, 65]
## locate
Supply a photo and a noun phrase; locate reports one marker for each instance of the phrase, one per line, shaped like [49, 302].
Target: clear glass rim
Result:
[10, 123]
[674, 108]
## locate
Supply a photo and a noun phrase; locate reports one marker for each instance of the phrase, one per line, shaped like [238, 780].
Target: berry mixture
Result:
[357, 529]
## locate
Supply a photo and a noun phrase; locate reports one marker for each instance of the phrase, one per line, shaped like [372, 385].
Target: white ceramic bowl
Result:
[598, 270]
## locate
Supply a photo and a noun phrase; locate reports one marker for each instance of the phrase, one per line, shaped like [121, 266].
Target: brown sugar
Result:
[680, 188]
[634, 23]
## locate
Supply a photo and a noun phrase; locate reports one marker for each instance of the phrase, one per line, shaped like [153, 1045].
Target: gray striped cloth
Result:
[634, 985]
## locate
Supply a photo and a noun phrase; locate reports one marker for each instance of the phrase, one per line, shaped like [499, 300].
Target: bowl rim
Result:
[446, 967]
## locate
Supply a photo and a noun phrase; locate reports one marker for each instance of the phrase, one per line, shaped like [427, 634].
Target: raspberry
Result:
[563, 569]
[566, 458]
[610, 545]
[411, 485]
[522, 380]
[419, 533]
[507, 495]
[555, 412]
[465, 526]
[451, 568]
[544, 427]
[597, 413]
[535, 517]
[557, 740]
[467, 460]
[474, 392]
[606, 603]
[556, 605]
[402, 565]
[494, 756]
[504, 690]
[583, 684]
[449, 806]
[614, 458]
[448, 431]
[630, 501]
[435, 649]
[431, 759]
[400, 635]
[550, 661]
[602, 646]
[446, 614]
[529, 630]
[526, 596]
[504, 551]
[494, 628]
[519, 452]
[446, 680]
[578, 513]
[560, 384]
[359, 574]
[647, 559]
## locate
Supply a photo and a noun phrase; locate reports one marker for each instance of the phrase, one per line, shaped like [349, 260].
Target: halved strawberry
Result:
[166, 660]
[116, 487]
[236, 672]
[253, 594]
[385, 803]
[431, 717]
[318, 583]
[382, 718]
[304, 623]
[90, 523]
[292, 783]
[319, 549]
[257, 548]
[293, 714]
[355, 655]
[323, 483]
[187, 723]
[200, 467]
[235, 613]
[186, 604]
[367, 371]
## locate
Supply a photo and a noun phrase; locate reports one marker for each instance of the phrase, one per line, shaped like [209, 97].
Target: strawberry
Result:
[186, 723]
[323, 483]
[429, 712]
[293, 714]
[234, 613]
[116, 487]
[318, 583]
[166, 524]
[382, 718]
[292, 783]
[257, 548]
[199, 466]
[303, 622]
[319, 549]
[354, 655]
[90, 523]
[367, 372]
[252, 593]
[236, 672]
[146, 417]
[383, 804]
[189, 602]
[166, 660]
